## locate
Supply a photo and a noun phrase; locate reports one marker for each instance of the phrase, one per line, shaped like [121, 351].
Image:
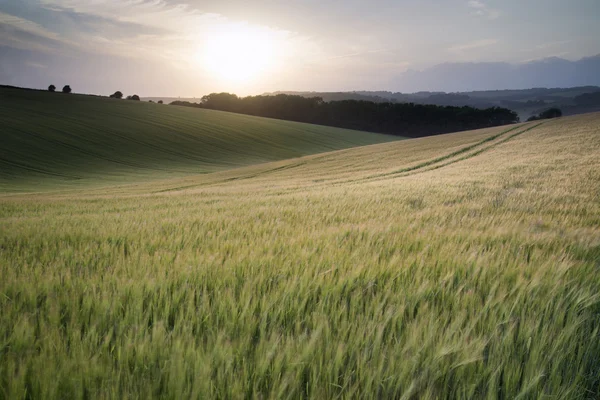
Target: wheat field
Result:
[460, 266]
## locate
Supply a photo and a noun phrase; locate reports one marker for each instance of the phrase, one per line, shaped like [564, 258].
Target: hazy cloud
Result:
[26, 26]
[552, 44]
[24, 34]
[359, 54]
[35, 65]
[477, 44]
[481, 9]
[171, 32]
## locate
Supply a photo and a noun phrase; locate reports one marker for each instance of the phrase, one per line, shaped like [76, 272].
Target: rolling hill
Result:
[464, 265]
[526, 102]
[51, 138]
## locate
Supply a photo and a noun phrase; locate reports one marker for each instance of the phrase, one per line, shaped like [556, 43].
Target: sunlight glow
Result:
[240, 55]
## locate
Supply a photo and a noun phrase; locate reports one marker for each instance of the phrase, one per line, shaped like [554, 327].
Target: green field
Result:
[51, 139]
[459, 266]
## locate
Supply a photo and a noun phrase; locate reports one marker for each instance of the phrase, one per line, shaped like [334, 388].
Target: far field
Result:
[458, 266]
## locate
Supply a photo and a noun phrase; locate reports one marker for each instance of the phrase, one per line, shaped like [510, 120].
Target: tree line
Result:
[116, 95]
[405, 119]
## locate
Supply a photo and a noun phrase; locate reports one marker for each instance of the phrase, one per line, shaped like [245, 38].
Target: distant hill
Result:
[168, 100]
[525, 102]
[549, 72]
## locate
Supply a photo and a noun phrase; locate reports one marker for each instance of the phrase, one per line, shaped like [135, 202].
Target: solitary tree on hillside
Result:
[116, 95]
[160, 102]
[52, 88]
[134, 97]
[66, 89]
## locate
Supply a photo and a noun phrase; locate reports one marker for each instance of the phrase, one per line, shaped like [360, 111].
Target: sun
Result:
[240, 55]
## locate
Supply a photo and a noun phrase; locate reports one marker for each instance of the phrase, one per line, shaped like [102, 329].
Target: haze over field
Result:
[191, 47]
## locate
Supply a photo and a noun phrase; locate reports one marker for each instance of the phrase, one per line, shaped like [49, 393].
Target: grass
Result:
[475, 273]
[57, 140]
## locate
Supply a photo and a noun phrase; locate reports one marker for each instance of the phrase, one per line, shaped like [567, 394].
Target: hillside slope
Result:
[55, 139]
[350, 166]
[401, 162]
[462, 266]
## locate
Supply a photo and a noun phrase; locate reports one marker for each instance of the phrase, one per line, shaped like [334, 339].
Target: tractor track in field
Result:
[234, 178]
[437, 163]
[454, 157]
[476, 153]
[461, 154]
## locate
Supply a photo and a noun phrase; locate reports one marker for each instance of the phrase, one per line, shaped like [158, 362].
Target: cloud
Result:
[159, 29]
[24, 34]
[477, 44]
[552, 44]
[162, 16]
[546, 57]
[358, 54]
[35, 65]
[59, 29]
[482, 10]
[26, 26]
[476, 4]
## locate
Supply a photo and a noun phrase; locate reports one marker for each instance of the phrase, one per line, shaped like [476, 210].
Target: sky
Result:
[189, 48]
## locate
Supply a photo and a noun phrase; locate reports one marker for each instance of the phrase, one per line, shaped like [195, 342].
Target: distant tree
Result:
[160, 102]
[66, 89]
[548, 114]
[221, 101]
[52, 88]
[551, 113]
[116, 95]
[134, 97]
[150, 101]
